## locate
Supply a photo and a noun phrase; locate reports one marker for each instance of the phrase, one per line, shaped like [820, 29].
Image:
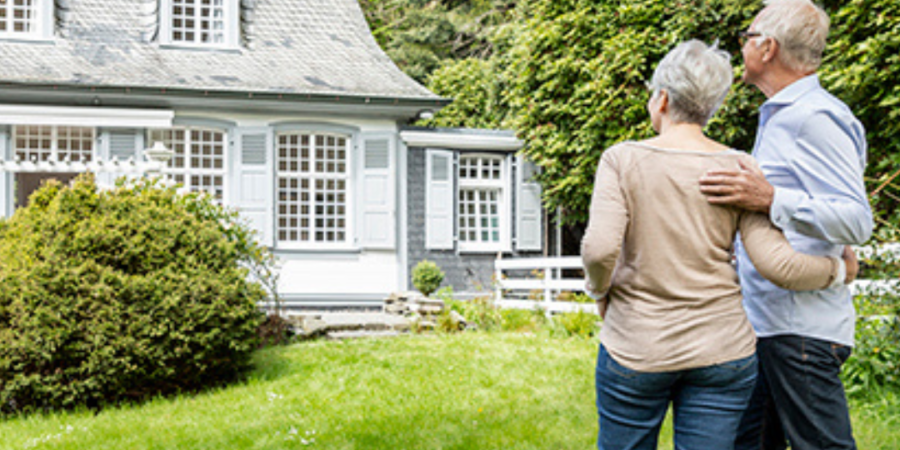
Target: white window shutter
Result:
[529, 223]
[123, 143]
[253, 180]
[439, 200]
[378, 191]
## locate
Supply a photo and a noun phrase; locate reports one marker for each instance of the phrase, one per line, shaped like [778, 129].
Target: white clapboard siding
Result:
[439, 200]
[254, 184]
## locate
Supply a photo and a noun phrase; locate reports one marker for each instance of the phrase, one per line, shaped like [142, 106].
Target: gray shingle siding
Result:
[467, 272]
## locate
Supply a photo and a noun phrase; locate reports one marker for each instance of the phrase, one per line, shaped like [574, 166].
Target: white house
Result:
[287, 110]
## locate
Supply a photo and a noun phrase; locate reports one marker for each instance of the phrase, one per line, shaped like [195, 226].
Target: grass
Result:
[468, 391]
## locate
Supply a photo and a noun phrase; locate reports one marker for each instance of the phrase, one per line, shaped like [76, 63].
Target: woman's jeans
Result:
[707, 403]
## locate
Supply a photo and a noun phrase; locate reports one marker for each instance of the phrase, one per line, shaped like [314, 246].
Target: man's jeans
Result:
[798, 397]
[707, 403]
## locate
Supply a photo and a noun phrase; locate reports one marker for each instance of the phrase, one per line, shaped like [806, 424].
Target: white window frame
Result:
[54, 142]
[349, 178]
[187, 171]
[503, 185]
[231, 27]
[41, 25]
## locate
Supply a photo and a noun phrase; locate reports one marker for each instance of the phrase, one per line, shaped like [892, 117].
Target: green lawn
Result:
[469, 391]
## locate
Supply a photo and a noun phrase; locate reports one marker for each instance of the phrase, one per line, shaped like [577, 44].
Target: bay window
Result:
[199, 160]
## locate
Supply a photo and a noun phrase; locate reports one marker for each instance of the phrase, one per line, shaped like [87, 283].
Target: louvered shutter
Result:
[121, 144]
[439, 196]
[253, 180]
[529, 223]
[378, 191]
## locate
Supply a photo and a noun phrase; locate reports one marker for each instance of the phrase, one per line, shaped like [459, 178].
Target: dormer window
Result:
[26, 19]
[200, 23]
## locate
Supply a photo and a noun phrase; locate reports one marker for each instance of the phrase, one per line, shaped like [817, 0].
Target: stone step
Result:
[361, 334]
[309, 326]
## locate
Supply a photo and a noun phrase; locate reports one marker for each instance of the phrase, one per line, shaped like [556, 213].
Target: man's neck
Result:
[777, 81]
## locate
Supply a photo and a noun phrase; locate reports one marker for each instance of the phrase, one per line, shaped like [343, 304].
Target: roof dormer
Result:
[200, 23]
[211, 24]
[26, 19]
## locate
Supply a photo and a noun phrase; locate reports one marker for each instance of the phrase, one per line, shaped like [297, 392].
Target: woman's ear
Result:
[663, 100]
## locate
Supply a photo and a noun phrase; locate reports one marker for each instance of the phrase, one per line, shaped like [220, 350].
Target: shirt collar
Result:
[794, 91]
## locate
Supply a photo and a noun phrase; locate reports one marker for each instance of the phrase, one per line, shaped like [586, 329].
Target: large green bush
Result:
[122, 294]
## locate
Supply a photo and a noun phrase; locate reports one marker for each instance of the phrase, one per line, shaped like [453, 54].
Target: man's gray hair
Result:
[800, 27]
[697, 78]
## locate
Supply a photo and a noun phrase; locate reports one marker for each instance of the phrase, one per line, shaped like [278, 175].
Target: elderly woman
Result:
[659, 255]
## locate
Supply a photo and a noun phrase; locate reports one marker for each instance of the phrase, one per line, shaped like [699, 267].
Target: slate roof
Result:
[317, 47]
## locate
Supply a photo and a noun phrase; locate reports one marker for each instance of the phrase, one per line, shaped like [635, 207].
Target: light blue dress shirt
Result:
[813, 151]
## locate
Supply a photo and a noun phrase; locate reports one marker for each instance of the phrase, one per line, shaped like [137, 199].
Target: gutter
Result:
[286, 97]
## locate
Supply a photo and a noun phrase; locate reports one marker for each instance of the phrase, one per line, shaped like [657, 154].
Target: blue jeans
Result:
[707, 403]
[799, 397]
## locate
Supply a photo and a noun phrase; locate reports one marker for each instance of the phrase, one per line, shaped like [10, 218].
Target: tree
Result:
[568, 76]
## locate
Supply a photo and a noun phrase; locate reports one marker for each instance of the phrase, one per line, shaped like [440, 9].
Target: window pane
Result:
[319, 162]
[198, 21]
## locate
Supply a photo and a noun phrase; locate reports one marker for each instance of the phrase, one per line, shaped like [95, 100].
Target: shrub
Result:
[427, 276]
[479, 311]
[875, 361]
[580, 323]
[123, 294]
[522, 320]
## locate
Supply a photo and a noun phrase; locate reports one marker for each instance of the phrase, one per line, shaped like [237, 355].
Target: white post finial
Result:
[159, 155]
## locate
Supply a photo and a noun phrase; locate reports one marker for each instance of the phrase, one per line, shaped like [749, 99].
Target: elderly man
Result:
[812, 152]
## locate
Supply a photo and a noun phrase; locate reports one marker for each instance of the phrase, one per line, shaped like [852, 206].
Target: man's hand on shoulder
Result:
[745, 188]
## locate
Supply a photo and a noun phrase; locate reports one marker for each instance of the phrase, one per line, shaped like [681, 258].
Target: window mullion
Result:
[54, 143]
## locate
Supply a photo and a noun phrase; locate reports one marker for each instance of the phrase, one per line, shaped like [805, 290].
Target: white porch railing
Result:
[528, 283]
[518, 286]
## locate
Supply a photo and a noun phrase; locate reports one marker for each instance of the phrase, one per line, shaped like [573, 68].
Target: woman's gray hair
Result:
[800, 27]
[696, 77]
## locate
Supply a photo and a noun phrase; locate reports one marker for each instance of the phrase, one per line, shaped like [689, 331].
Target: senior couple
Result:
[683, 230]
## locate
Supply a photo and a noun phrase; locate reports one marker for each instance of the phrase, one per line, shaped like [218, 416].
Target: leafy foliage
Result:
[569, 77]
[124, 294]
[861, 67]
[419, 35]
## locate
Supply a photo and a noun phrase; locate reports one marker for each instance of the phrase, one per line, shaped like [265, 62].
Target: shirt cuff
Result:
[784, 205]
[841, 278]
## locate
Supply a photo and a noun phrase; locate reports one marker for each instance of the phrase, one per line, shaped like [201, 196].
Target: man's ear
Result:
[771, 51]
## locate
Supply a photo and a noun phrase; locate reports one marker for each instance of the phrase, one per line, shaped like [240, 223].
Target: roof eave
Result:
[221, 99]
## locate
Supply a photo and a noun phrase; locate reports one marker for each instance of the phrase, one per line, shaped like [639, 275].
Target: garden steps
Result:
[361, 334]
[345, 325]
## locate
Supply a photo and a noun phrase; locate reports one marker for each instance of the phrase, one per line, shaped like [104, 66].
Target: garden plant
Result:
[122, 295]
